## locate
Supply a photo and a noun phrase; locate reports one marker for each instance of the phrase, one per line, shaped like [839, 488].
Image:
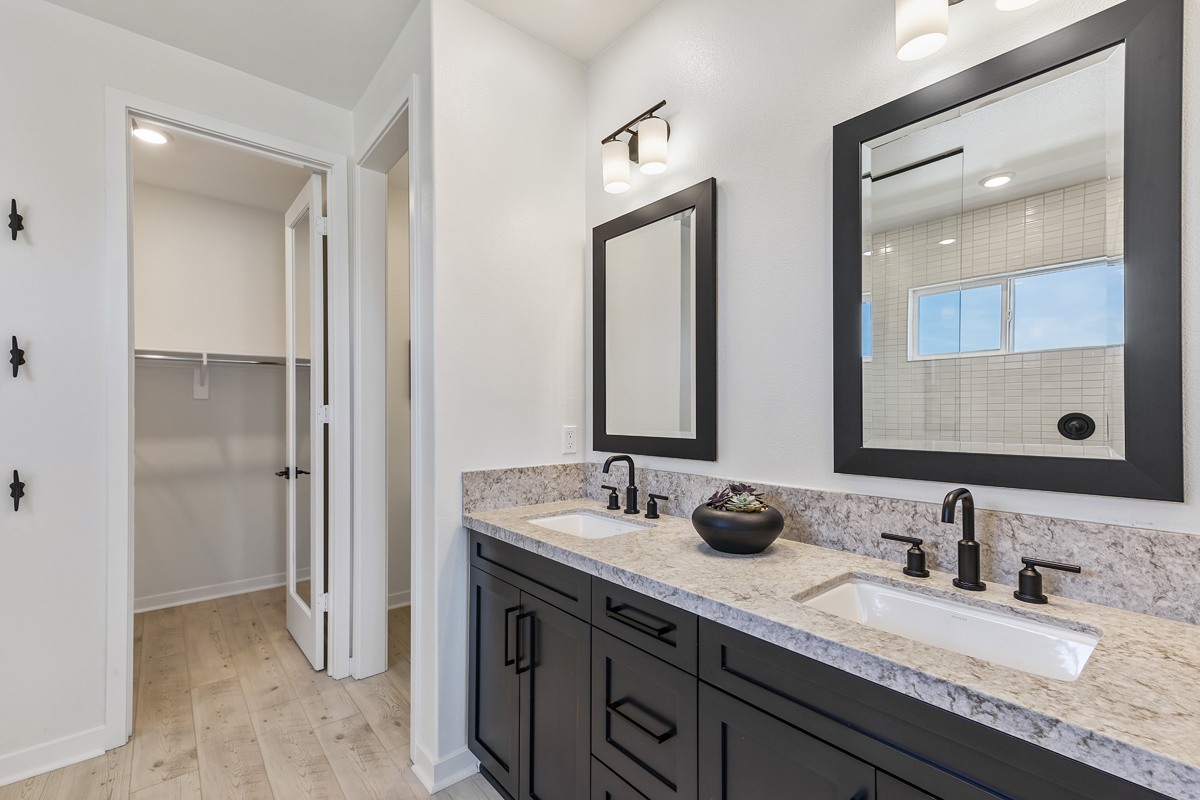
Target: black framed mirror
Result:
[654, 328]
[1007, 268]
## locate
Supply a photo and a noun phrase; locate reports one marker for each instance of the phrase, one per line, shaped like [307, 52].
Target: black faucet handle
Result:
[916, 556]
[652, 505]
[614, 501]
[1029, 580]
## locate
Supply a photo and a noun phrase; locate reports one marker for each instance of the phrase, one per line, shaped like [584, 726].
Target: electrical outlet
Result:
[570, 439]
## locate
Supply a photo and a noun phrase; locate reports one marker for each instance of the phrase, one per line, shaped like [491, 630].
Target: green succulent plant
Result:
[738, 497]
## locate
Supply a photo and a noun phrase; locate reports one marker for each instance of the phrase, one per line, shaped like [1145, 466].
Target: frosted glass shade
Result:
[921, 27]
[614, 158]
[1013, 5]
[652, 145]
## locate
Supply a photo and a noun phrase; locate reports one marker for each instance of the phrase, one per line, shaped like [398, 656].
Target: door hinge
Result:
[323, 603]
[323, 415]
[323, 226]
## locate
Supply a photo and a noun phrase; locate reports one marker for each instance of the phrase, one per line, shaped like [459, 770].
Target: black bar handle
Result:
[300, 472]
[285, 473]
[615, 708]
[510, 636]
[525, 642]
[615, 613]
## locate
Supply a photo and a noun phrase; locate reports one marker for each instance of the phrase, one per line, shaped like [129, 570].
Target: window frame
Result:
[1008, 309]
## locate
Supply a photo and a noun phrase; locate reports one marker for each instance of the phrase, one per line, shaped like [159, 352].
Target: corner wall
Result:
[54, 296]
[753, 91]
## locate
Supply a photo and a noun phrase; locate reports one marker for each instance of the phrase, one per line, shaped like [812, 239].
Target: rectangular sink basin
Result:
[1035, 647]
[588, 525]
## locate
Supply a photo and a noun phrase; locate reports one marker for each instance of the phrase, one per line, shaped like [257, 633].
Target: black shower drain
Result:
[1076, 425]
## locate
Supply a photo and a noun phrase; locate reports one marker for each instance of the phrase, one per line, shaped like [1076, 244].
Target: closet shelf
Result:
[213, 358]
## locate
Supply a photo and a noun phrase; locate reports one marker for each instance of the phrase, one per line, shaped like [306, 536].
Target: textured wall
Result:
[1009, 403]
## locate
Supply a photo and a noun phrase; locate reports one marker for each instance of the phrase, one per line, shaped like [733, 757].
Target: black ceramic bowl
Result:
[737, 532]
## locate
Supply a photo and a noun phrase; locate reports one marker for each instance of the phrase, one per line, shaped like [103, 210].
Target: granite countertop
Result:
[1133, 712]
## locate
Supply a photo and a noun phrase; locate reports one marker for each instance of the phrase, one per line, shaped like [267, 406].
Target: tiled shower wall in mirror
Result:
[991, 403]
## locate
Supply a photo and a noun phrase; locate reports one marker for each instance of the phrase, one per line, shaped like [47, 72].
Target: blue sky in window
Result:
[866, 329]
[959, 321]
[1083, 307]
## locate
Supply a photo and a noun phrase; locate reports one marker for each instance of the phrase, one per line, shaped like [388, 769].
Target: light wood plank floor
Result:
[227, 708]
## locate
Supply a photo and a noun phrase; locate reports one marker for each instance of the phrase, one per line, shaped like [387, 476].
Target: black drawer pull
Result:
[658, 737]
[510, 636]
[525, 643]
[614, 613]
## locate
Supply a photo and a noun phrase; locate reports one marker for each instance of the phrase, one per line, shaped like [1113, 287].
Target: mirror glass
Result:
[993, 274]
[302, 420]
[650, 329]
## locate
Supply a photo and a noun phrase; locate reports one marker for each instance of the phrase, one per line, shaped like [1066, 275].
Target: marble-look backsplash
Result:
[1147, 571]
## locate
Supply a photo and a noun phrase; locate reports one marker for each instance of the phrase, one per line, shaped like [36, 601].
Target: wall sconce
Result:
[922, 26]
[647, 147]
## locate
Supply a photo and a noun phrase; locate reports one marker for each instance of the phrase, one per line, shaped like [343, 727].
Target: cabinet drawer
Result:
[888, 788]
[746, 754]
[921, 744]
[643, 719]
[557, 584]
[656, 627]
[607, 785]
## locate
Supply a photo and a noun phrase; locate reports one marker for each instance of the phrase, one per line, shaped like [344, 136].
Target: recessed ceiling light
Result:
[151, 136]
[993, 181]
[948, 241]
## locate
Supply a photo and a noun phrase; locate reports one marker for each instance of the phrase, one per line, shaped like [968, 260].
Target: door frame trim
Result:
[119, 105]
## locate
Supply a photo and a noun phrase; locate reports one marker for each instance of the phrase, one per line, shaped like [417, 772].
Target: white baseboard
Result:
[18, 766]
[399, 599]
[200, 593]
[447, 772]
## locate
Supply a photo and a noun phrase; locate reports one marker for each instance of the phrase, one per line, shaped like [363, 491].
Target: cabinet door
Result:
[494, 717]
[643, 719]
[748, 755]
[607, 785]
[554, 662]
[889, 788]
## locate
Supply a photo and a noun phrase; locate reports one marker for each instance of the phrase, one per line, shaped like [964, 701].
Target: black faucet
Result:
[968, 548]
[631, 505]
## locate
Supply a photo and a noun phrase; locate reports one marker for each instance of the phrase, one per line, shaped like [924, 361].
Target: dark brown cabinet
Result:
[888, 788]
[748, 755]
[643, 719]
[608, 785]
[529, 692]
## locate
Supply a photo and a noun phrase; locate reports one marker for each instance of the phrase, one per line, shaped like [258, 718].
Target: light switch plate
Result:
[570, 439]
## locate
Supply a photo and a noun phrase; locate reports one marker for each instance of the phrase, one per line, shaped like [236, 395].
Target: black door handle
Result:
[16, 491]
[615, 708]
[525, 643]
[285, 473]
[615, 613]
[17, 357]
[300, 472]
[510, 636]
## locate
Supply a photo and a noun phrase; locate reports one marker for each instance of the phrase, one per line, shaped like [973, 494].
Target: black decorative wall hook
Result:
[17, 357]
[16, 491]
[15, 221]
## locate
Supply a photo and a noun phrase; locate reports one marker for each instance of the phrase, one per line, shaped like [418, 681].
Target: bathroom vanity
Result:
[643, 665]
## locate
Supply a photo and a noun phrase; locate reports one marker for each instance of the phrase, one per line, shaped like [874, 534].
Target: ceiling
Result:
[331, 51]
[325, 50]
[199, 166]
[582, 29]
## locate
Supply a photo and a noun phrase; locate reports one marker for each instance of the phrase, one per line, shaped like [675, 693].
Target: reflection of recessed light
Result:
[992, 181]
[948, 241]
[147, 135]
[867, 253]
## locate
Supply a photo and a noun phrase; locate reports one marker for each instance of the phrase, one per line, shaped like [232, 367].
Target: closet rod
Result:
[213, 358]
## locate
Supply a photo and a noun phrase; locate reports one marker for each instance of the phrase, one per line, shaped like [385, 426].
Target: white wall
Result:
[208, 275]
[54, 295]
[398, 406]
[508, 245]
[210, 513]
[753, 91]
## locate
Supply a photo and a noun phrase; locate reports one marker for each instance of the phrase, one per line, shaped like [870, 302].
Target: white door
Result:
[307, 600]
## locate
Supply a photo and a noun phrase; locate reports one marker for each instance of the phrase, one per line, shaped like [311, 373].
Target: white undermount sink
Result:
[1036, 647]
[587, 525]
